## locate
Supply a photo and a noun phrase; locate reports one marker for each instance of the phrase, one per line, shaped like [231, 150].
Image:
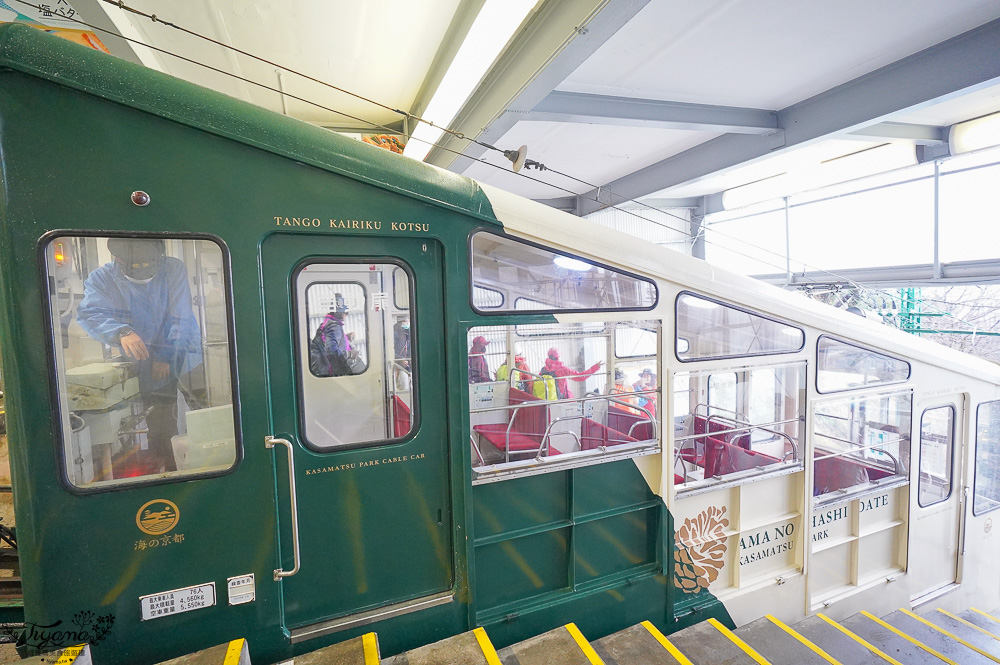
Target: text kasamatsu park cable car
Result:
[264, 381]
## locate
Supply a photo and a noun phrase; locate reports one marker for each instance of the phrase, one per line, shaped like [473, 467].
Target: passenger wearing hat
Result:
[647, 381]
[561, 371]
[141, 302]
[479, 372]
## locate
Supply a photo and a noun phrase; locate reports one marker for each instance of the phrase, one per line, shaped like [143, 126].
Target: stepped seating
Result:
[900, 638]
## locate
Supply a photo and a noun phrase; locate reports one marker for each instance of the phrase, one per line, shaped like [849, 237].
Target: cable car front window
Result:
[141, 339]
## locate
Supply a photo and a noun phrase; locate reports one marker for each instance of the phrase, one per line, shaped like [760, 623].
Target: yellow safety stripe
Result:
[584, 645]
[968, 623]
[949, 634]
[911, 640]
[484, 643]
[747, 649]
[667, 644]
[801, 638]
[369, 643]
[234, 652]
[985, 614]
[860, 640]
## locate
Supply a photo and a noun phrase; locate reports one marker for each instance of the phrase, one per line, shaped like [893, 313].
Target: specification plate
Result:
[241, 589]
[189, 598]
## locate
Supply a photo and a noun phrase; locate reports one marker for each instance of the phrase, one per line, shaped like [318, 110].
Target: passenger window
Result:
[725, 436]
[355, 353]
[141, 337]
[986, 489]
[547, 397]
[843, 366]
[936, 439]
[859, 441]
[710, 329]
[529, 277]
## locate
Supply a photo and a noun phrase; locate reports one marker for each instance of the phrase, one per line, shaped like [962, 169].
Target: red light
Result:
[60, 255]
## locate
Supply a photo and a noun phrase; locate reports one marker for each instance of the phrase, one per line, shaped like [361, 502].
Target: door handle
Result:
[271, 442]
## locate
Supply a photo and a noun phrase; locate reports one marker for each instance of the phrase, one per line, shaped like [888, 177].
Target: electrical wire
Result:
[459, 135]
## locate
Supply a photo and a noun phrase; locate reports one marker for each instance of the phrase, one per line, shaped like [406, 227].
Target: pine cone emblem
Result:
[700, 550]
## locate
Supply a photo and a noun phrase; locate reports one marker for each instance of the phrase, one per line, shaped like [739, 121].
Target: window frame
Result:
[587, 310]
[413, 310]
[975, 458]
[45, 292]
[951, 458]
[867, 386]
[745, 310]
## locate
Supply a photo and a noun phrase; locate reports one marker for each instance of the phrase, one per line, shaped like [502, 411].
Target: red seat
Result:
[526, 431]
[836, 473]
[402, 420]
[621, 420]
[723, 458]
[594, 435]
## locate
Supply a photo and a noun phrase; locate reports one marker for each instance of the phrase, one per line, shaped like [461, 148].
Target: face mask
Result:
[139, 270]
[406, 326]
[138, 281]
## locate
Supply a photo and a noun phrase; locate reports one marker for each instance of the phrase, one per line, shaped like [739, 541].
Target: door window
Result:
[936, 444]
[355, 353]
[141, 343]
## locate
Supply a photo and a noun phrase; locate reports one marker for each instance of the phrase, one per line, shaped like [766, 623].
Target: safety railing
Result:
[689, 442]
[520, 461]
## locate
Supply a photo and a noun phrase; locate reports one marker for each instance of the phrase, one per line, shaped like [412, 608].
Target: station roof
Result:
[663, 100]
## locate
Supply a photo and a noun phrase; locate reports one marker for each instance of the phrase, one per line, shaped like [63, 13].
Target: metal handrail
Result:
[763, 427]
[708, 411]
[543, 444]
[896, 463]
[270, 442]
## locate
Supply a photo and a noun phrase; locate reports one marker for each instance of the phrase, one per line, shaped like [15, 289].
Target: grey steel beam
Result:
[559, 106]
[959, 272]
[919, 134]
[954, 67]
[560, 38]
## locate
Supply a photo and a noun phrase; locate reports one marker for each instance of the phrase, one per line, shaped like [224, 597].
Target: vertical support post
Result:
[937, 219]
[788, 245]
[697, 225]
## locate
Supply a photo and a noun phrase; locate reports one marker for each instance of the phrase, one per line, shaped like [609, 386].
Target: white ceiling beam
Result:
[959, 272]
[954, 67]
[559, 38]
[894, 131]
[559, 106]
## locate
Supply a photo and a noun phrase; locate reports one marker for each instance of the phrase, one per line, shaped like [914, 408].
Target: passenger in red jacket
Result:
[560, 371]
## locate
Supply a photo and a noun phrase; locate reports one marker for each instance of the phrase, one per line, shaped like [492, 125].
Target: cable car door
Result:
[355, 346]
[937, 517]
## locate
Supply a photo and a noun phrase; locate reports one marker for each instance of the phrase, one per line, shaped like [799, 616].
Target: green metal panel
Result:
[522, 568]
[598, 489]
[522, 504]
[615, 544]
